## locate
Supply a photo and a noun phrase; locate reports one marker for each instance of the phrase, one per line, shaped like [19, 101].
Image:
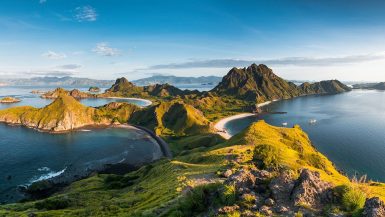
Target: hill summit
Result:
[259, 83]
[256, 83]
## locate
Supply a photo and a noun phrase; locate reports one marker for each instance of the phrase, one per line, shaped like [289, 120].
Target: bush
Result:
[266, 156]
[198, 200]
[353, 199]
[228, 195]
[53, 204]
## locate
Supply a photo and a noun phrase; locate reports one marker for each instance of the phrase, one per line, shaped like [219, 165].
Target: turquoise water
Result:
[350, 128]
[27, 155]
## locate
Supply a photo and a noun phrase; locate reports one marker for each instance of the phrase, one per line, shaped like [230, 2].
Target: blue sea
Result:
[27, 155]
[349, 128]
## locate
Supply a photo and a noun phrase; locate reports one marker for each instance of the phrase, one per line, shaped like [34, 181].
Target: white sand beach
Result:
[148, 102]
[220, 125]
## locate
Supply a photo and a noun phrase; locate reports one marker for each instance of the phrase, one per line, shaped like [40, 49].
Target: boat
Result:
[284, 124]
[312, 121]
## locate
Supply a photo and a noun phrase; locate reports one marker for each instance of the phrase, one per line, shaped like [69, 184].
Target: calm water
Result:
[27, 155]
[24, 93]
[350, 128]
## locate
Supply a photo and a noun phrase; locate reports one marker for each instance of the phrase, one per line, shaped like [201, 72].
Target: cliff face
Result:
[324, 87]
[256, 83]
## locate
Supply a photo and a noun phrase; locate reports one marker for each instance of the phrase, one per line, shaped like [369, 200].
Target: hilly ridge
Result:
[258, 83]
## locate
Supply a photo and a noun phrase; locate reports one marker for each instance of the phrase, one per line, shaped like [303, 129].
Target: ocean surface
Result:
[28, 98]
[27, 155]
[349, 128]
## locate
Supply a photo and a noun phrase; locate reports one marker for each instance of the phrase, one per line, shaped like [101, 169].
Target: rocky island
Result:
[9, 100]
[94, 89]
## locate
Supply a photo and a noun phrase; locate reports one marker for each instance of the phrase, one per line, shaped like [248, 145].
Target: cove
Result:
[27, 155]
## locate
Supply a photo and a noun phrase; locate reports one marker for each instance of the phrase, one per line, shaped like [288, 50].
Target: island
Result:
[262, 171]
[94, 89]
[9, 100]
[370, 86]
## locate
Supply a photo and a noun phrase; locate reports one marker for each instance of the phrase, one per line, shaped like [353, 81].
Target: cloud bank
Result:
[294, 61]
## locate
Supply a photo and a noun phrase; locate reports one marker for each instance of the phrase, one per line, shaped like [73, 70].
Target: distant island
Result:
[56, 82]
[370, 86]
[94, 89]
[9, 100]
[175, 80]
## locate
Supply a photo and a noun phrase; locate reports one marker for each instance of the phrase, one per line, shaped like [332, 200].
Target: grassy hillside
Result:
[65, 113]
[173, 118]
[195, 182]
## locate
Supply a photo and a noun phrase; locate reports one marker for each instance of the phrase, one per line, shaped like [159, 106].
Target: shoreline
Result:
[148, 102]
[220, 125]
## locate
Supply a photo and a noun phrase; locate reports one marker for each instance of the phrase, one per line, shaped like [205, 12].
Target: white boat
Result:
[312, 121]
[284, 124]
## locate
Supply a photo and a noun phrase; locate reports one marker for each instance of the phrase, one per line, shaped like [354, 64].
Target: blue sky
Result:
[299, 39]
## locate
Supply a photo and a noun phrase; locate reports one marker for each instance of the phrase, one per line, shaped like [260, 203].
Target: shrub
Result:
[198, 200]
[228, 194]
[266, 156]
[353, 198]
[53, 204]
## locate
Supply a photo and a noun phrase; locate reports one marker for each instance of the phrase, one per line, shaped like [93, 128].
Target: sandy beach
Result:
[148, 102]
[220, 125]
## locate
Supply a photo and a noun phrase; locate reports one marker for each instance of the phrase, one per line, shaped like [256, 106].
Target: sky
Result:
[106, 39]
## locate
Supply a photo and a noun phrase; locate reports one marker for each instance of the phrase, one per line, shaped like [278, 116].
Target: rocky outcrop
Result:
[310, 190]
[374, 207]
[9, 100]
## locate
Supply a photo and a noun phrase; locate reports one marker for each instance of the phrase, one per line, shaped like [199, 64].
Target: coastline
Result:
[148, 102]
[220, 125]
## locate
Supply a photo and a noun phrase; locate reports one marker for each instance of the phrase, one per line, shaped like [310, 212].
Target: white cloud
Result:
[85, 14]
[53, 55]
[104, 49]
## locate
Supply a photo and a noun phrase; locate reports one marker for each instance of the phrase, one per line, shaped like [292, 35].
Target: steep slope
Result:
[172, 118]
[256, 83]
[324, 87]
